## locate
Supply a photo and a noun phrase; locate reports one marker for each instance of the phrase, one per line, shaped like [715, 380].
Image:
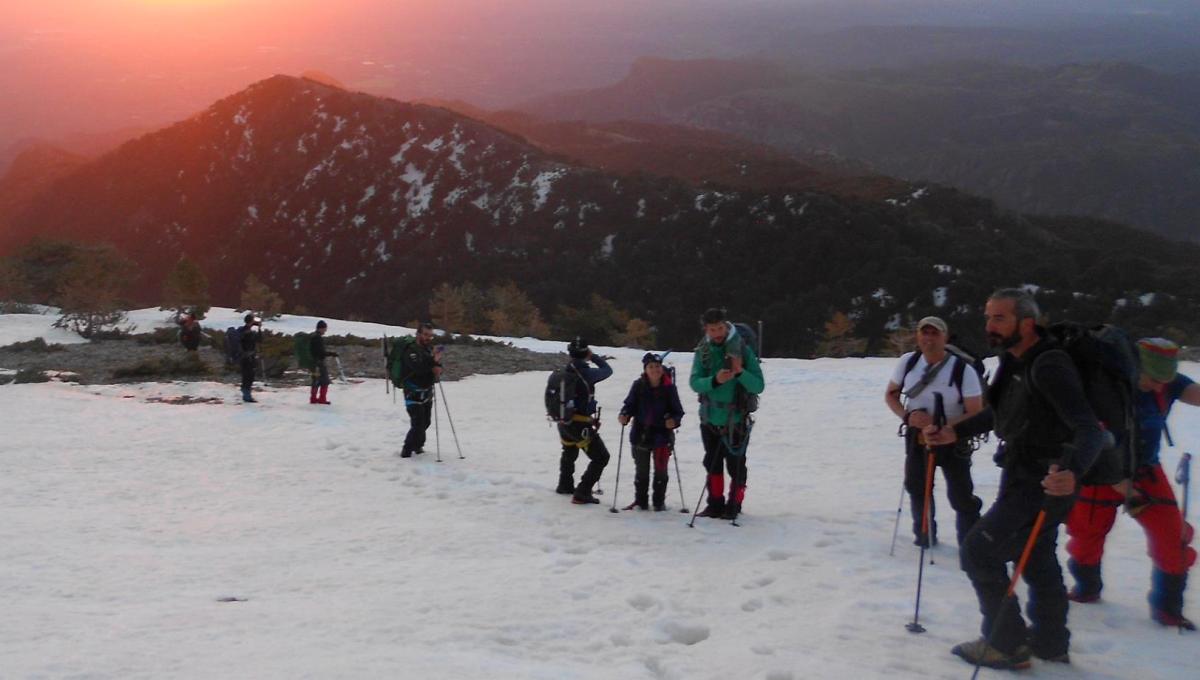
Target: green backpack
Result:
[302, 342]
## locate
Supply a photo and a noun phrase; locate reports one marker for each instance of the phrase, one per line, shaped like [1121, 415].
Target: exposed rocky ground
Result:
[138, 359]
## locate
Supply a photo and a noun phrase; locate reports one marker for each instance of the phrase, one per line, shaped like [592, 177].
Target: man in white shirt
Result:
[911, 395]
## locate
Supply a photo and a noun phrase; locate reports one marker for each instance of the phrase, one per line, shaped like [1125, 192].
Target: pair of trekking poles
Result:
[617, 483]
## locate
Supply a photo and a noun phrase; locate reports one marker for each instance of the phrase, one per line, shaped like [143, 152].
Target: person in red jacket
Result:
[1149, 500]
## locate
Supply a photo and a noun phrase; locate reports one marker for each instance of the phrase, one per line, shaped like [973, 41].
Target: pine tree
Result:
[186, 288]
[258, 297]
[839, 339]
[514, 314]
[91, 288]
[447, 309]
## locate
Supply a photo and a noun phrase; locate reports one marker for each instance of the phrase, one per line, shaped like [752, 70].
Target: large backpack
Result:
[1108, 366]
[746, 401]
[302, 343]
[963, 360]
[233, 345]
[395, 363]
[562, 390]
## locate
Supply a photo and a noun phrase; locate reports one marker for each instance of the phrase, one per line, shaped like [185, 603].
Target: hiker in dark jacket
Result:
[250, 339]
[420, 368]
[189, 332]
[320, 370]
[1051, 437]
[653, 407]
[581, 432]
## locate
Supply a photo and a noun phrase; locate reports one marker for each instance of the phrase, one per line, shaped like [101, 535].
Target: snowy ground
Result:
[125, 521]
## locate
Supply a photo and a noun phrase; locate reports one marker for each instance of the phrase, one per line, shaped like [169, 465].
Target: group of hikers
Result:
[726, 376]
[1042, 403]
[1057, 444]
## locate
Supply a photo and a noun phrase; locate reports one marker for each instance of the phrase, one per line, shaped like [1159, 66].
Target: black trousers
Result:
[420, 413]
[960, 488]
[997, 539]
[320, 374]
[642, 455]
[249, 364]
[585, 439]
[720, 447]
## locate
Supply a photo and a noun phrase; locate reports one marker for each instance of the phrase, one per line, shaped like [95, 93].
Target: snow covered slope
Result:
[125, 521]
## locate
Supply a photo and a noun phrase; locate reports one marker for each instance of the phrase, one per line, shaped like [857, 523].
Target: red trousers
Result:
[1096, 510]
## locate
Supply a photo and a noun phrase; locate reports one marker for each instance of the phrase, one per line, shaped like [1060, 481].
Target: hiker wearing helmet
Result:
[920, 377]
[653, 407]
[580, 432]
[1147, 498]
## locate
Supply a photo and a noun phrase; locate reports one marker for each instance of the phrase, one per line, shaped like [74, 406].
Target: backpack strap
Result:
[908, 367]
[956, 376]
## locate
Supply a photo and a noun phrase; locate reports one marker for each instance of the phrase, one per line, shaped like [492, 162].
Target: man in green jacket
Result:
[727, 376]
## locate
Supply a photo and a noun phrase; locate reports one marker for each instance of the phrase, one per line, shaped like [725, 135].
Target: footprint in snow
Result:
[642, 602]
[752, 605]
[760, 582]
[683, 633]
[762, 651]
[779, 555]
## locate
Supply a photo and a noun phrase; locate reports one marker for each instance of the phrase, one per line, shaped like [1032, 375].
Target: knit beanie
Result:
[1160, 358]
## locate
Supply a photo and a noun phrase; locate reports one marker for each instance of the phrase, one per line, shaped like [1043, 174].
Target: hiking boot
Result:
[565, 487]
[584, 498]
[981, 653]
[406, 454]
[1064, 658]
[1171, 620]
[637, 505]
[1078, 596]
[713, 509]
[1088, 582]
[923, 542]
[731, 511]
[659, 507]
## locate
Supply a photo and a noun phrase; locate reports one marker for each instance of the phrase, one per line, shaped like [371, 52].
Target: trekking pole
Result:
[939, 419]
[617, 484]
[598, 489]
[387, 379]
[1183, 477]
[678, 477]
[437, 435]
[446, 406]
[1012, 584]
[699, 500]
[896, 529]
[915, 626]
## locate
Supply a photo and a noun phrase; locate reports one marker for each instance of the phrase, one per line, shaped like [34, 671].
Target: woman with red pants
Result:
[1150, 501]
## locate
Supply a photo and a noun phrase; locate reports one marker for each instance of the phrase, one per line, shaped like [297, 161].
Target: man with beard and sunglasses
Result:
[1038, 408]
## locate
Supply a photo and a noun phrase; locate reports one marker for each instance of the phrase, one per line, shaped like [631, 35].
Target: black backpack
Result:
[233, 345]
[964, 359]
[1108, 366]
[562, 390]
